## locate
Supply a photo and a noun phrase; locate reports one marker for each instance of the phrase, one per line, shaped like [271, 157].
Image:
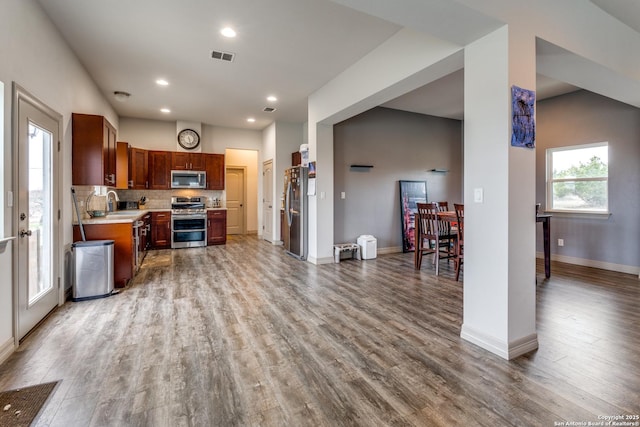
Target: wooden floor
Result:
[244, 335]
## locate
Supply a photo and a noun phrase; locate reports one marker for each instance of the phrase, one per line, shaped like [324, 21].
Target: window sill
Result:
[578, 214]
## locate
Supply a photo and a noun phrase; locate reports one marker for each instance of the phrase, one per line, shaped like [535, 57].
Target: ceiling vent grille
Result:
[269, 109]
[223, 56]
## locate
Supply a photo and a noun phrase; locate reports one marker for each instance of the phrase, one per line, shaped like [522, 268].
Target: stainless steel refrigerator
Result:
[295, 211]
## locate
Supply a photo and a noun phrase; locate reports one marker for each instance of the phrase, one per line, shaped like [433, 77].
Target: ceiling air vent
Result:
[223, 56]
[269, 109]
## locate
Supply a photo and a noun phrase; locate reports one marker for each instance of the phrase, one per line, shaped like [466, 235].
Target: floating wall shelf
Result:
[362, 166]
[439, 170]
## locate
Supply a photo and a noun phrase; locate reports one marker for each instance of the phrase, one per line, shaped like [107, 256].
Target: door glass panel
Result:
[40, 212]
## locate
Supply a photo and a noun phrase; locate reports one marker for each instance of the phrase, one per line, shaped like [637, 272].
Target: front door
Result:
[267, 201]
[37, 219]
[235, 200]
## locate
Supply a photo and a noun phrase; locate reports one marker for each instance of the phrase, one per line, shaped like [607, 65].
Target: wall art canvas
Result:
[411, 193]
[523, 120]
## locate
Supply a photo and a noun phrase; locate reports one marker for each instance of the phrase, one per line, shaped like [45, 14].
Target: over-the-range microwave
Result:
[188, 179]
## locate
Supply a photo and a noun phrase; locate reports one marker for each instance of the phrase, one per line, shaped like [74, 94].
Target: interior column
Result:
[320, 232]
[499, 196]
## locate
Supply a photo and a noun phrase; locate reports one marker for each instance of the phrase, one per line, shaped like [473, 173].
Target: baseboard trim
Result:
[318, 261]
[390, 250]
[620, 268]
[523, 345]
[7, 349]
[507, 351]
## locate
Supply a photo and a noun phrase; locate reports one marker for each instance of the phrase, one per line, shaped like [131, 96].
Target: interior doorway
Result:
[267, 201]
[236, 195]
[37, 213]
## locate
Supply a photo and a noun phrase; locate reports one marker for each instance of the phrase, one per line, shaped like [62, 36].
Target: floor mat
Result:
[20, 407]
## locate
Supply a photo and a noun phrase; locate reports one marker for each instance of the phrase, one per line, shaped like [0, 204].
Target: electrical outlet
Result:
[560, 242]
[343, 195]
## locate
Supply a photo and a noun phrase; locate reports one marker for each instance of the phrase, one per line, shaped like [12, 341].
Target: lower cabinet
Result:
[160, 230]
[123, 248]
[216, 227]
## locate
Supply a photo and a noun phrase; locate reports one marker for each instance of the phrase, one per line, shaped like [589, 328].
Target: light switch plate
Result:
[478, 195]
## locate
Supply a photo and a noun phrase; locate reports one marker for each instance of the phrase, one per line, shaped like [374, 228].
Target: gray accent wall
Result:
[400, 146]
[579, 118]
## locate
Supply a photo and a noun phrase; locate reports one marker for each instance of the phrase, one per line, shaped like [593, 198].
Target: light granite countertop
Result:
[127, 216]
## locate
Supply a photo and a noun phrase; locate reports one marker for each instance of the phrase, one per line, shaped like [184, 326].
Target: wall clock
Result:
[188, 139]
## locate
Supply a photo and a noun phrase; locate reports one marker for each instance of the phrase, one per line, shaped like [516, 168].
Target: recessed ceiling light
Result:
[165, 110]
[251, 120]
[162, 82]
[271, 98]
[228, 32]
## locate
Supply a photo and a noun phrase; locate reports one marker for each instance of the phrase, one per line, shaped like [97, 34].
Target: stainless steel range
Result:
[188, 222]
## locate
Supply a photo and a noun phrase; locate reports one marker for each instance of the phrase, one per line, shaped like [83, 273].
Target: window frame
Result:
[550, 181]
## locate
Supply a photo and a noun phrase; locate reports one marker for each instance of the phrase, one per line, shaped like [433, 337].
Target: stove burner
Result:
[188, 205]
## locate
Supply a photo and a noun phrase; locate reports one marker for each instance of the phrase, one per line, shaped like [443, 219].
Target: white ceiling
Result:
[286, 48]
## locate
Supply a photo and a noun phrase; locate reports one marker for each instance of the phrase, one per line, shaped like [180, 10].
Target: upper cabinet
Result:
[214, 166]
[138, 168]
[187, 161]
[159, 170]
[122, 165]
[93, 150]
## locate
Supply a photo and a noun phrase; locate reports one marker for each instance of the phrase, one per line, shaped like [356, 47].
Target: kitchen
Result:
[172, 189]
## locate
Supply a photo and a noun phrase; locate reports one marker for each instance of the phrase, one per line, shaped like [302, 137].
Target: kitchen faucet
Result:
[109, 203]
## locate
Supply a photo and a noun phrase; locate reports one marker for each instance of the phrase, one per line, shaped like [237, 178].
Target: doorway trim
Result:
[21, 94]
[266, 184]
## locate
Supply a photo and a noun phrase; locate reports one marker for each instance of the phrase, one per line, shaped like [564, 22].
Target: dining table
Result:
[545, 219]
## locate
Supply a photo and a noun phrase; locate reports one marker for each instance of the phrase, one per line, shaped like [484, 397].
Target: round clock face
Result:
[188, 139]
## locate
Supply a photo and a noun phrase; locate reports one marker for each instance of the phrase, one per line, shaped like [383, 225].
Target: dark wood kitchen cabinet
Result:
[214, 164]
[122, 165]
[159, 170]
[160, 230]
[93, 153]
[123, 255]
[187, 161]
[216, 227]
[138, 168]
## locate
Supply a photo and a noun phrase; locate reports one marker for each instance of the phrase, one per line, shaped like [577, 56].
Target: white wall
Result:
[36, 57]
[279, 141]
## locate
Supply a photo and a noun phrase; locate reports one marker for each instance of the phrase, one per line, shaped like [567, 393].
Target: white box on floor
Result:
[368, 246]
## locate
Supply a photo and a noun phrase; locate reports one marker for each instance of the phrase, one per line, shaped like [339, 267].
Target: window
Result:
[577, 178]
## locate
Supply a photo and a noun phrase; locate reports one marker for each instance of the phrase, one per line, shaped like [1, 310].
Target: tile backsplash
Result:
[156, 199]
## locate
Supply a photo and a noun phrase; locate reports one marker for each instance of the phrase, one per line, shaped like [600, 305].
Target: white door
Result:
[267, 201]
[234, 186]
[38, 279]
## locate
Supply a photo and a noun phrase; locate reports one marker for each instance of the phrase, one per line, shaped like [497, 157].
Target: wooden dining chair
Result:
[459, 258]
[435, 236]
[443, 206]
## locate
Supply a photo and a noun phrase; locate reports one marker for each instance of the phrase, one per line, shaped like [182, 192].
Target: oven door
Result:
[188, 231]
